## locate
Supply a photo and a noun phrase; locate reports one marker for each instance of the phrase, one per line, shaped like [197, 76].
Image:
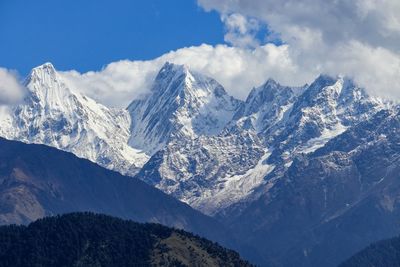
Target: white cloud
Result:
[11, 91]
[237, 69]
[240, 30]
[368, 21]
[358, 38]
[117, 84]
[355, 38]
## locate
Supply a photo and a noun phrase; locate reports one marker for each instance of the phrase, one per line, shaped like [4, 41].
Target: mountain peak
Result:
[46, 65]
[181, 103]
[268, 92]
[46, 68]
[173, 67]
[169, 69]
[271, 82]
[180, 84]
[325, 79]
[46, 85]
[43, 74]
[322, 87]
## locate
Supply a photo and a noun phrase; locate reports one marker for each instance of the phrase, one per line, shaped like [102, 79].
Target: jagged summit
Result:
[169, 72]
[323, 77]
[265, 106]
[41, 72]
[177, 79]
[48, 93]
[171, 68]
[47, 66]
[271, 83]
[181, 103]
[173, 79]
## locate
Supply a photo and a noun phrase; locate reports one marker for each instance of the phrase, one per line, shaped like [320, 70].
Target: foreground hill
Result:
[98, 240]
[380, 254]
[38, 181]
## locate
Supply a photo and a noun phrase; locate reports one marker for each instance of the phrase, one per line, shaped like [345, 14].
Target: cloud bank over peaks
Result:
[11, 90]
[355, 38]
[358, 39]
[238, 69]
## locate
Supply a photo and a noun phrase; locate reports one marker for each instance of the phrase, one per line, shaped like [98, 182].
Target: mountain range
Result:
[306, 175]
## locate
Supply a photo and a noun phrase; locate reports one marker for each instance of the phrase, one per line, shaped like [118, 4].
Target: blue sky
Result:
[358, 39]
[86, 35]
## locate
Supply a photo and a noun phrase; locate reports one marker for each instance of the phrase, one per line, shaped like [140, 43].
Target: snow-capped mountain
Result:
[268, 130]
[53, 114]
[206, 148]
[182, 104]
[295, 116]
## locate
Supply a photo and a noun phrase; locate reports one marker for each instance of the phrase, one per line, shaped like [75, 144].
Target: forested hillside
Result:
[88, 239]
